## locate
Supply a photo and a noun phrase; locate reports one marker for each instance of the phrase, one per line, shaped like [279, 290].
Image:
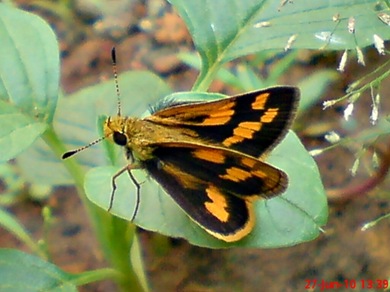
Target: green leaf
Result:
[23, 272]
[294, 217]
[225, 30]
[77, 124]
[29, 74]
[17, 132]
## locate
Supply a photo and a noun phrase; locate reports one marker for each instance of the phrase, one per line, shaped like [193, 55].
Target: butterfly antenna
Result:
[73, 152]
[115, 71]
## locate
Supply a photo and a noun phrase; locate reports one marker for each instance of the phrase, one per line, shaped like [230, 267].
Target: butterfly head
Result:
[116, 129]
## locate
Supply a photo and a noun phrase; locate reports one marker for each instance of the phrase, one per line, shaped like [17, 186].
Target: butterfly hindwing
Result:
[252, 123]
[215, 186]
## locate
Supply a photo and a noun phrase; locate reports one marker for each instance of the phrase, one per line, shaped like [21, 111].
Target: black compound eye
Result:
[119, 139]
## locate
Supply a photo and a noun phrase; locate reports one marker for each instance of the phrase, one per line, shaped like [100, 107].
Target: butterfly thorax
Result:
[142, 136]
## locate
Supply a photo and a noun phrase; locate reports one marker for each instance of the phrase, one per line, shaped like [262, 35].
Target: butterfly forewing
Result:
[252, 123]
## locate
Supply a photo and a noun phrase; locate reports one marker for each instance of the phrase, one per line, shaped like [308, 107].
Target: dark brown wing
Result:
[252, 123]
[215, 187]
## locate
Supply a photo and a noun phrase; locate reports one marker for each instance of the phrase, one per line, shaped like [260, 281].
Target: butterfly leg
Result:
[127, 168]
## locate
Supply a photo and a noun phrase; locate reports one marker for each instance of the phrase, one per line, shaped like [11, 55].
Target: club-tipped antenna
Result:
[115, 71]
[73, 152]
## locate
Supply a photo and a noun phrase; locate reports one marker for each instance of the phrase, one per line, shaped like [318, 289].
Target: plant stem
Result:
[114, 234]
[205, 77]
[93, 276]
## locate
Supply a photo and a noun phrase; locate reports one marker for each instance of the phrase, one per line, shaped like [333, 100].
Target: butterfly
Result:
[209, 156]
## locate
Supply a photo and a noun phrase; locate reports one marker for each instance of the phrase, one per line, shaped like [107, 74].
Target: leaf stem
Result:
[93, 276]
[114, 234]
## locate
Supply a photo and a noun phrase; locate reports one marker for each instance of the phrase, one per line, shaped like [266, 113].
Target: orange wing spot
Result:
[209, 155]
[232, 140]
[241, 232]
[248, 162]
[260, 173]
[260, 101]
[227, 106]
[218, 206]
[184, 179]
[255, 126]
[269, 115]
[224, 113]
[243, 132]
[218, 118]
[236, 174]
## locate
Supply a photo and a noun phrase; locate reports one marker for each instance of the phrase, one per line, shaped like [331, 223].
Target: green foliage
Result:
[22, 272]
[223, 31]
[29, 71]
[33, 274]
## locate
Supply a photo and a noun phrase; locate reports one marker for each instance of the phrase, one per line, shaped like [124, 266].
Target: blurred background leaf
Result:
[223, 31]
[29, 74]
